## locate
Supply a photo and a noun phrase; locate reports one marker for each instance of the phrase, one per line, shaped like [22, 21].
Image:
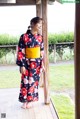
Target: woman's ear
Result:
[32, 25]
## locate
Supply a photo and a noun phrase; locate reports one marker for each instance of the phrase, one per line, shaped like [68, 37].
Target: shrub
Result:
[6, 39]
[4, 51]
[61, 37]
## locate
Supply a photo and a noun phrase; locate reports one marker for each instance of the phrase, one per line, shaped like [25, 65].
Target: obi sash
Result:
[33, 52]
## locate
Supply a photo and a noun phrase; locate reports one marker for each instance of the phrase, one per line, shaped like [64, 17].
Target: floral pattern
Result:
[29, 80]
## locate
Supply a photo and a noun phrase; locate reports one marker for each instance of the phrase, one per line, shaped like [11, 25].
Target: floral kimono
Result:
[29, 80]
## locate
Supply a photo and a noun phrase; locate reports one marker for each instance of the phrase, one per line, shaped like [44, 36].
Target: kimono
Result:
[29, 80]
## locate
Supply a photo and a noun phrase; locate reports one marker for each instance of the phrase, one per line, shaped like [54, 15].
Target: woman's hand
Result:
[43, 68]
[23, 70]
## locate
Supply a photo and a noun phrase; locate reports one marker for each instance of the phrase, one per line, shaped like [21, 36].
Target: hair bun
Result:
[29, 27]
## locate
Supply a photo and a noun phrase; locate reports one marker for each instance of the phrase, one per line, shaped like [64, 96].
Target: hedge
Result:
[60, 37]
[6, 39]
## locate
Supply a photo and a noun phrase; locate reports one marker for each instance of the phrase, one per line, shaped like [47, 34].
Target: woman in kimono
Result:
[30, 59]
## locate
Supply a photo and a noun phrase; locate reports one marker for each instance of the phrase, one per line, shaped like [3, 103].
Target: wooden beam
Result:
[20, 2]
[77, 62]
[27, 2]
[46, 61]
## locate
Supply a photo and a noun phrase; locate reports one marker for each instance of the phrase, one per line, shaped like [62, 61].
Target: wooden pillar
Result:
[39, 14]
[54, 53]
[46, 61]
[39, 10]
[77, 62]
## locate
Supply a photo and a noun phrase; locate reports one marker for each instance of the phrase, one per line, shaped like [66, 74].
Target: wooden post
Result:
[46, 61]
[54, 53]
[77, 62]
[39, 10]
[39, 14]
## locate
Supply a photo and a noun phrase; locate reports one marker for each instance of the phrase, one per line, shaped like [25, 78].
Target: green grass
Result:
[61, 77]
[9, 79]
[64, 107]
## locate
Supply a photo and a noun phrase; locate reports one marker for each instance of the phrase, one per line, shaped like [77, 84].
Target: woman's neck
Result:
[33, 32]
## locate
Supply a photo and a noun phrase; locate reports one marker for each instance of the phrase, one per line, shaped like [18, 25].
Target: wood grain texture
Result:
[10, 105]
[46, 60]
[77, 61]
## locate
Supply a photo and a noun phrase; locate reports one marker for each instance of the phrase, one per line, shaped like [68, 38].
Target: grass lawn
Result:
[9, 78]
[64, 107]
[61, 77]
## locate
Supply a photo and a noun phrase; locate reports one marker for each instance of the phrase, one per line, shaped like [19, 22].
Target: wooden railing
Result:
[59, 46]
[8, 46]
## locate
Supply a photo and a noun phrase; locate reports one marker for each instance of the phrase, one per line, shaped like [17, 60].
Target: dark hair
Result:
[34, 21]
[29, 29]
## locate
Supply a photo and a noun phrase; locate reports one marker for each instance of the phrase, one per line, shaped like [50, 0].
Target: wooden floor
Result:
[10, 106]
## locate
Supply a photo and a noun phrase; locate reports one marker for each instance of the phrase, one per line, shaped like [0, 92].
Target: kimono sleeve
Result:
[42, 53]
[42, 49]
[21, 60]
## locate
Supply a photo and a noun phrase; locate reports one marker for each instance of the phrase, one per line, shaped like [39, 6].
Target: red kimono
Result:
[29, 80]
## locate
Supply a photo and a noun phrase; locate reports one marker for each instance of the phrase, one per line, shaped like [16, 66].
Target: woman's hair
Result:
[33, 21]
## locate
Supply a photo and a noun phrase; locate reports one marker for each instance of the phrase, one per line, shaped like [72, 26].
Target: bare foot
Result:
[29, 105]
[24, 105]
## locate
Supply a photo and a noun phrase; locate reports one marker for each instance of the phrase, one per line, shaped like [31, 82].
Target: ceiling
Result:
[24, 2]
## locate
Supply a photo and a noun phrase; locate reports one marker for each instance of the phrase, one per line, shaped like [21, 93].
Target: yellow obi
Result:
[33, 52]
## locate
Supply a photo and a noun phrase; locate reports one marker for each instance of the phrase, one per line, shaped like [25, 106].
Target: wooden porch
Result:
[10, 106]
[8, 97]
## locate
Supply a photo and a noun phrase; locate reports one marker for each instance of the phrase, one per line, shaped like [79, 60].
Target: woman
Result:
[30, 60]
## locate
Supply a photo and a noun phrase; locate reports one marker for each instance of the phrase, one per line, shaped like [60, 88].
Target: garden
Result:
[62, 52]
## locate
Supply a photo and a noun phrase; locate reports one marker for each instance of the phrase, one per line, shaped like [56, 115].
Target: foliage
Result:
[8, 57]
[65, 54]
[60, 37]
[6, 39]
[4, 51]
